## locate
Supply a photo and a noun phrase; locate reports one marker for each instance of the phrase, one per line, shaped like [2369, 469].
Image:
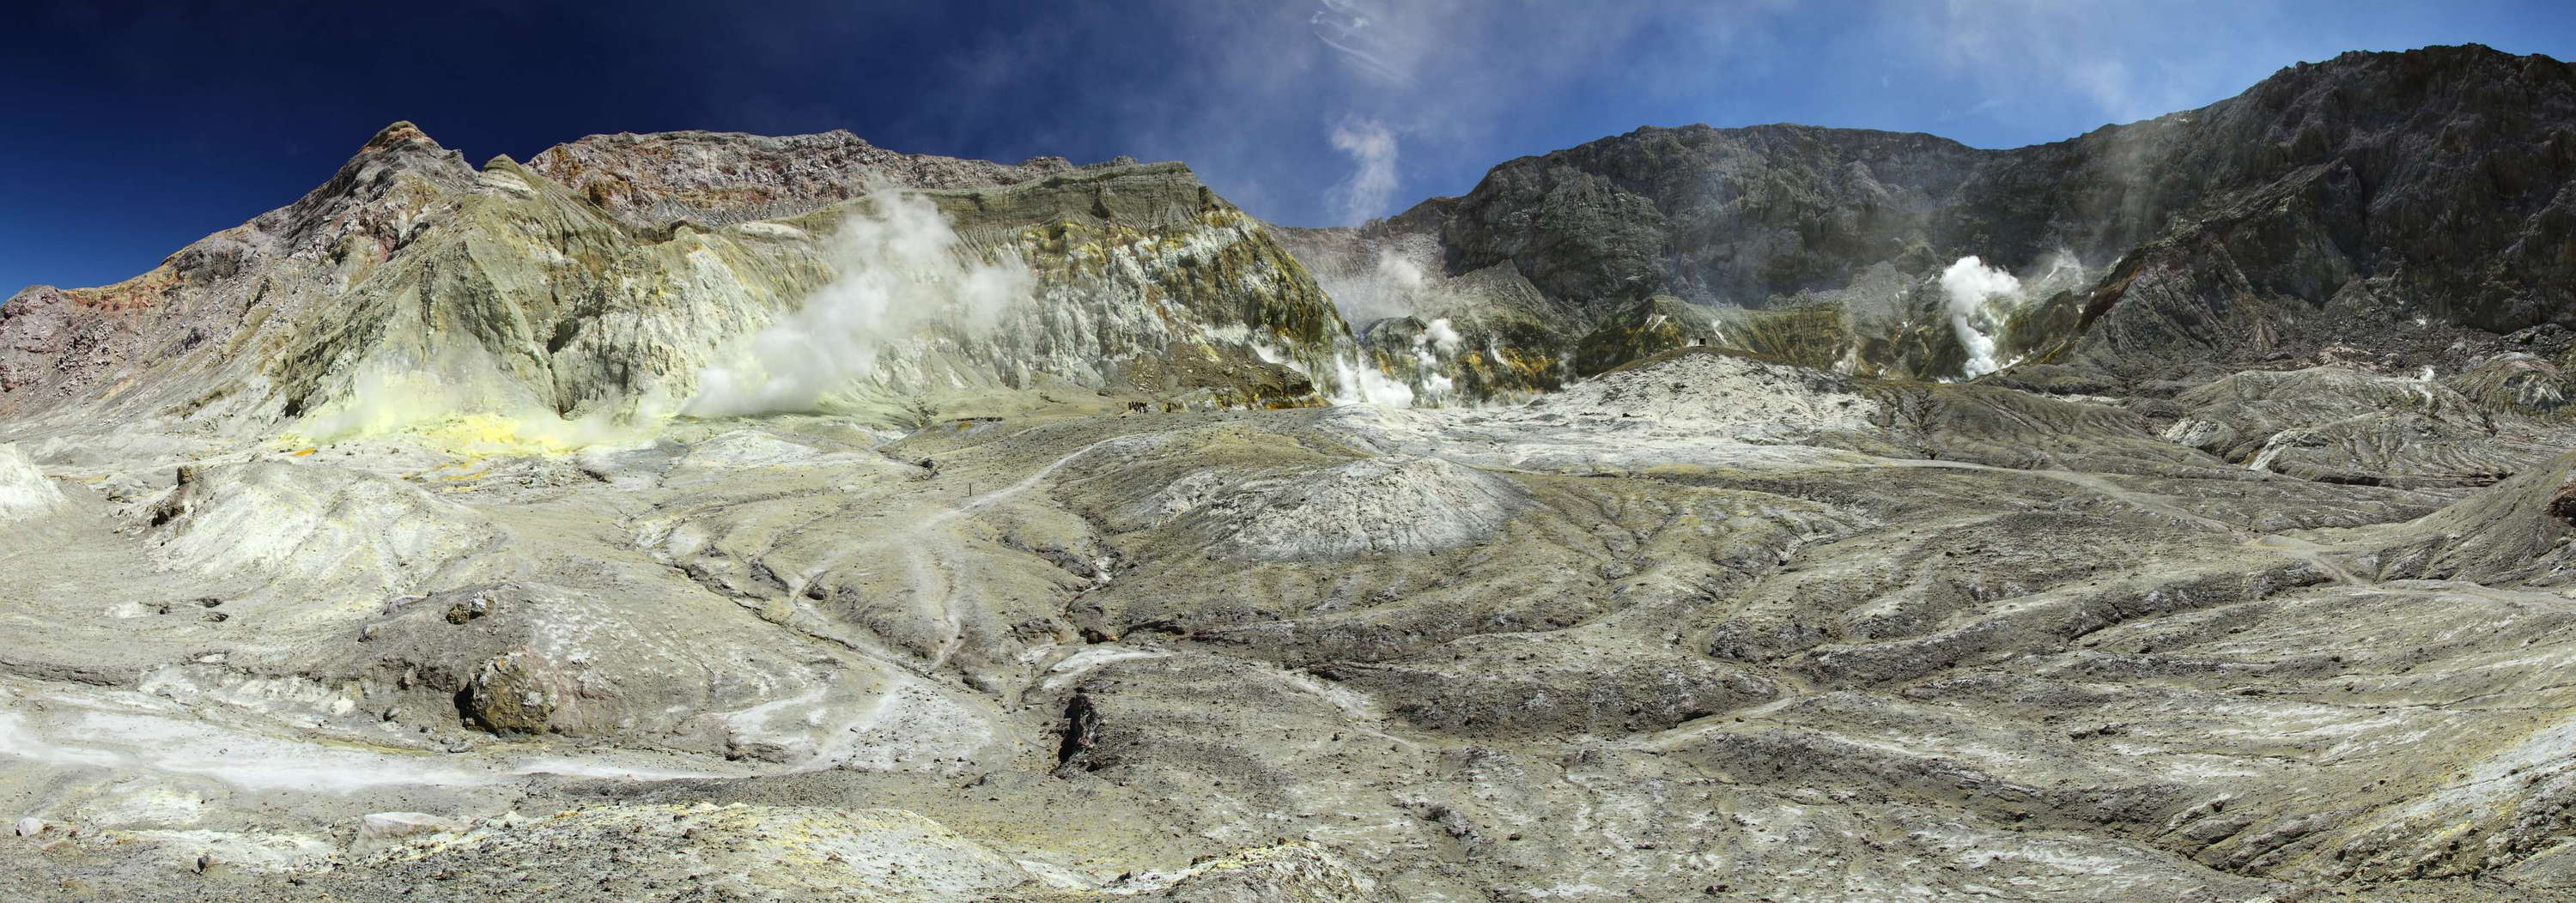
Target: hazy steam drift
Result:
[899, 275]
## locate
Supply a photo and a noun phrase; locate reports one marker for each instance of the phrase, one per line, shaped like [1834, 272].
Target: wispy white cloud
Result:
[1278, 98]
[1359, 33]
[2114, 61]
[1372, 149]
[1449, 74]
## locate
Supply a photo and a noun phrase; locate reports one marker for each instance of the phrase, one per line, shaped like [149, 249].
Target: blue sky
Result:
[135, 128]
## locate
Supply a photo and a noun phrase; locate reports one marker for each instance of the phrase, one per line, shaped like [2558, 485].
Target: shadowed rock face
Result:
[2333, 202]
[2237, 583]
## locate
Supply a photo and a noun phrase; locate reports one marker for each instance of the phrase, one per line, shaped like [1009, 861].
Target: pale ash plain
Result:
[1706, 626]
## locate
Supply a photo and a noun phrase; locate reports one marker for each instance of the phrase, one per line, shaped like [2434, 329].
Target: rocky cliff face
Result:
[2410, 203]
[593, 287]
[2345, 200]
[717, 179]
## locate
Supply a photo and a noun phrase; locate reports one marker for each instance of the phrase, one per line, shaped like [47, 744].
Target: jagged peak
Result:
[403, 145]
[37, 290]
[2471, 51]
[2359, 63]
[725, 177]
[839, 137]
[401, 132]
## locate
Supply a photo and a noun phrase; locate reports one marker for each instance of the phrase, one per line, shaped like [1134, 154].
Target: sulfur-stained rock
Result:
[24, 490]
[390, 825]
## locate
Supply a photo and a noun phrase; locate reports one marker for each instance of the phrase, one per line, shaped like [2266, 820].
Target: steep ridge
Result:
[2402, 202]
[718, 179]
[554, 300]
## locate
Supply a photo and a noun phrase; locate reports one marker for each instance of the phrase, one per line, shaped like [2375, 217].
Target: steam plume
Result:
[1393, 288]
[1372, 148]
[1972, 286]
[899, 276]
